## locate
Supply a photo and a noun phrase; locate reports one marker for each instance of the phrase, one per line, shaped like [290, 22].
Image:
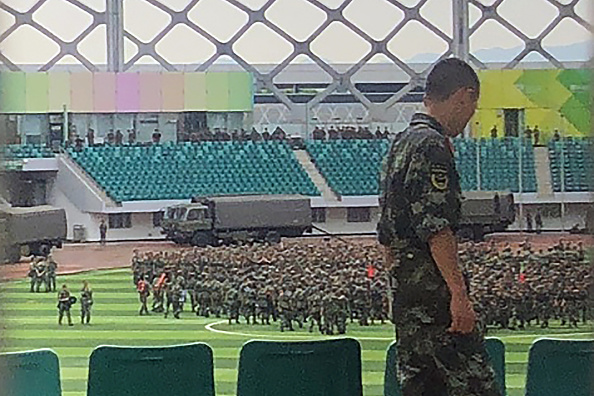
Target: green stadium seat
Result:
[308, 368]
[495, 350]
[30, 373]
[226, 167]
[560, 367]
[156, 371]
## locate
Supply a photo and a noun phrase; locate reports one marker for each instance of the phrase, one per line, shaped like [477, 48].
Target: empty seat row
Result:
[184, 170]
[571, 164]
[22, 151]
[329, 367]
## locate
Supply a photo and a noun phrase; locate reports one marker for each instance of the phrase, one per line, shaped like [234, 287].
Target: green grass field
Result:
[31, 322]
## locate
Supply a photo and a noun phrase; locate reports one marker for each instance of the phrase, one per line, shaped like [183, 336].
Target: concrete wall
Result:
[70, 183]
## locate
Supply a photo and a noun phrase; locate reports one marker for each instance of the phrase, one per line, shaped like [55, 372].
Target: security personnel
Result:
[86, 301]
[64, 303]
[440, 349]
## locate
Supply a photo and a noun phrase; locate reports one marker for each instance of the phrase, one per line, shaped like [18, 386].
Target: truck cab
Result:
[180, 222]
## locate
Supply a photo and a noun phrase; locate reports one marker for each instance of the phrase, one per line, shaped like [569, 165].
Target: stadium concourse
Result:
[31, 318]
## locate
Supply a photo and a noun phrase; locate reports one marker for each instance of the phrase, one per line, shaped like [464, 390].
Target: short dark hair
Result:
[448, 76]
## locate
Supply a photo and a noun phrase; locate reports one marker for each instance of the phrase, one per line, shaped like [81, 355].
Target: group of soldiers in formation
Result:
[327, 285]
[42, 270]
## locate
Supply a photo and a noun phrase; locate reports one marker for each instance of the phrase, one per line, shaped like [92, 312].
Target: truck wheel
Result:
[273, 237]
[45, 250]
[201, 240]
[25, 251]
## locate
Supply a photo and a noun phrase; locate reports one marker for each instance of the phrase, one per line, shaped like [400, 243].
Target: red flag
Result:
[161, 280]
[522, 277]
[370, 271]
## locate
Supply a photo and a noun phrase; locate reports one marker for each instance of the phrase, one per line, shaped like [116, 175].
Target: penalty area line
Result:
[210, 327]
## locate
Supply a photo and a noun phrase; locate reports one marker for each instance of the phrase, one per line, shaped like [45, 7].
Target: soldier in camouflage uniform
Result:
[86, 301]
[232, 304]
[440, 350]
[285, 310]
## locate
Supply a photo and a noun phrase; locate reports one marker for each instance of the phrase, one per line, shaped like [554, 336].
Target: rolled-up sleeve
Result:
[429, 187]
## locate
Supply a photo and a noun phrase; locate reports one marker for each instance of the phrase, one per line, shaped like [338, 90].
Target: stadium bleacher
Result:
[350, 167]
[185, 170]
[570, 159]
[500, 165]
[18, 151]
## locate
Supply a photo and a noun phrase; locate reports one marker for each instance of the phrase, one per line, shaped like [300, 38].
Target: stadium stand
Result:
[351, 167]
[174, 370]
[17, 151]
[572, 160]
[500, 165]
[330, 367]
[185, 170]
[465, 151]
[30, 373]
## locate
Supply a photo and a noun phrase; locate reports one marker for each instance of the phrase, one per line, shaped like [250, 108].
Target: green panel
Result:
[195, 92]
[12, 92]
[217, 91]
[37, 92]
[240, 92]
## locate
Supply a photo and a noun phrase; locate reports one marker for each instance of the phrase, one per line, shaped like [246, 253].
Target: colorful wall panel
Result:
[195, 91]
[550, 99]
[81, 98]
[125, 92]
[36, 92]
[104, 92]
[59, 92]
[173, 92]
[150, 92]
[128, 93]
[217, 91]
[241, 87]
[12, 92]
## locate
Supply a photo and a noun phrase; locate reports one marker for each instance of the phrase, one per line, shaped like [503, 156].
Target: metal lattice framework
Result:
[341, 80]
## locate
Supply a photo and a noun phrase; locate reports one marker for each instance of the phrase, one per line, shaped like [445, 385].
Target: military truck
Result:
[485, 212]
[30, 231]
[212, 221]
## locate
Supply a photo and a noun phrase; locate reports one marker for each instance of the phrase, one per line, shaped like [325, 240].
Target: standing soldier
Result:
[33, 273]
[143, 289]
[52, 266]
[64, 303]
[284, 309]
[421, 203]
[86, 301]
[103, 232]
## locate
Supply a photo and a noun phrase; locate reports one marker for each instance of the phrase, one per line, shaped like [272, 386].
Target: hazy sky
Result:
[299, 18]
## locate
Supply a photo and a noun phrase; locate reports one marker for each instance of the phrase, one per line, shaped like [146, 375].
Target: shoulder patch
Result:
[439, 177]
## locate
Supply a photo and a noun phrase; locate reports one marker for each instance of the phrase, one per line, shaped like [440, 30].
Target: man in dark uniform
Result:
[440, 349]
[103, 231]
[64, 305]
[86, 301]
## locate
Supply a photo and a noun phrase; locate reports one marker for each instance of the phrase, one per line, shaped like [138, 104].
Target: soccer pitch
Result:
[30, 321]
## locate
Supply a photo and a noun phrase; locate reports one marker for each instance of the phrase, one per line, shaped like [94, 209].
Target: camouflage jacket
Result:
[420, 188]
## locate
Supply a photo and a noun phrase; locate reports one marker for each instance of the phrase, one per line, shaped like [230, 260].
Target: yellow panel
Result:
[59, 91]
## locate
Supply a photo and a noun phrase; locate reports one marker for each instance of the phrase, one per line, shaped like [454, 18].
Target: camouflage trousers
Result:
[433, 362]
